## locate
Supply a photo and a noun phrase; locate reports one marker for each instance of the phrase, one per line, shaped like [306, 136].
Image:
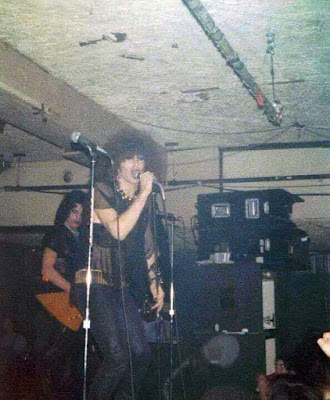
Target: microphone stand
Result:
[170, 234]
[155, 238]
[155, 234]
[171, 309]
[168, 385]
[86, 322]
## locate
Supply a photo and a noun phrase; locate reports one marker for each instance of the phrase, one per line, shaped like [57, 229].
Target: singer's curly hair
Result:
[126, 144]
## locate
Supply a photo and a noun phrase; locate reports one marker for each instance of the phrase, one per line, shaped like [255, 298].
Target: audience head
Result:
[292, 387]
[310, 362]
[280, 366]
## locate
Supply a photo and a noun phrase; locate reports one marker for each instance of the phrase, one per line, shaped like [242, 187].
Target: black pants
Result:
[57, 354]
[123, 366]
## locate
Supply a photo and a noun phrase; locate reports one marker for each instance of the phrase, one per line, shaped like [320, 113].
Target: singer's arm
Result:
[153, 272]
[155, 285]
[127, 220]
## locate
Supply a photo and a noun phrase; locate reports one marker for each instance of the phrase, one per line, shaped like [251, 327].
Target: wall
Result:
[32, 208]
[28, 208]
[313, 213]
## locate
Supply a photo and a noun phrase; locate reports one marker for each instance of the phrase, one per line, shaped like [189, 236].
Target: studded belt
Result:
[97, 276]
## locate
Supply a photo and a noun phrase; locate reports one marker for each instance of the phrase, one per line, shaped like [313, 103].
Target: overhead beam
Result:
[18, 109]
[277, 146]
[274, 178]
[44, 188]
[196, 182]
[42, 105]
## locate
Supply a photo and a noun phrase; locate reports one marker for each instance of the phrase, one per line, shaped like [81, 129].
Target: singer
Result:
[123, 263]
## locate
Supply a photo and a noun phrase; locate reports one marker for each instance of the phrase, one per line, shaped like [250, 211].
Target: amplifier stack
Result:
[253, 225]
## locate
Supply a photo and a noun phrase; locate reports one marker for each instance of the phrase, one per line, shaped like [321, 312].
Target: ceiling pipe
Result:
[199, 12]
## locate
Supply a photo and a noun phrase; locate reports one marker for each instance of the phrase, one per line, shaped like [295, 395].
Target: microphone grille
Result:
[75, 137]
[136, 175]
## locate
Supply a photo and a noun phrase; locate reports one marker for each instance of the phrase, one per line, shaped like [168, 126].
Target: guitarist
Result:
[65, 249]
[65, 246]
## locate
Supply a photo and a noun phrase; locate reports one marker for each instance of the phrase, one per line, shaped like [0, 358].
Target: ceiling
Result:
[193, 75]
[151, 64]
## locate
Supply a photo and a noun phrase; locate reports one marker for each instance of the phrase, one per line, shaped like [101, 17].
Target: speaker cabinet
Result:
[302, 304]
[249, 224]
[223, 303]
[239, 317]
[228, 297]
[259, 207]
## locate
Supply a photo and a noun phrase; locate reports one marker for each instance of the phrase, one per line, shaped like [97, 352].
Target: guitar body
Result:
[58, 305]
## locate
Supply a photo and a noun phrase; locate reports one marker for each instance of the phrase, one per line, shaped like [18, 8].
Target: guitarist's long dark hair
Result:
[68, 203]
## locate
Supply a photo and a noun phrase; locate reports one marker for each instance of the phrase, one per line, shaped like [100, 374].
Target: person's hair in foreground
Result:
[292, 387]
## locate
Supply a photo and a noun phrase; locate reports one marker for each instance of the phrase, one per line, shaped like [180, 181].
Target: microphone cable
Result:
[121, 274]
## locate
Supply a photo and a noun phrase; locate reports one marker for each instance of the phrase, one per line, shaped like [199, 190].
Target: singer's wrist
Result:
[154, 274]
[143, 195]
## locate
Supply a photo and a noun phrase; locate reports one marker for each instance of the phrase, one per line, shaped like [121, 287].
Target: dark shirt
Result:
[71, 250]
[131, 267]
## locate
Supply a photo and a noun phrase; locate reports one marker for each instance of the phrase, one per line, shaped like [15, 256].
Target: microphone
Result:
[77, 137]
[156, 186]
[137, 175]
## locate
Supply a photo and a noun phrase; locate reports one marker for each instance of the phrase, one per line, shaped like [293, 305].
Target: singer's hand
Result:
[324, 343]
[158, 296]
[146, 181]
